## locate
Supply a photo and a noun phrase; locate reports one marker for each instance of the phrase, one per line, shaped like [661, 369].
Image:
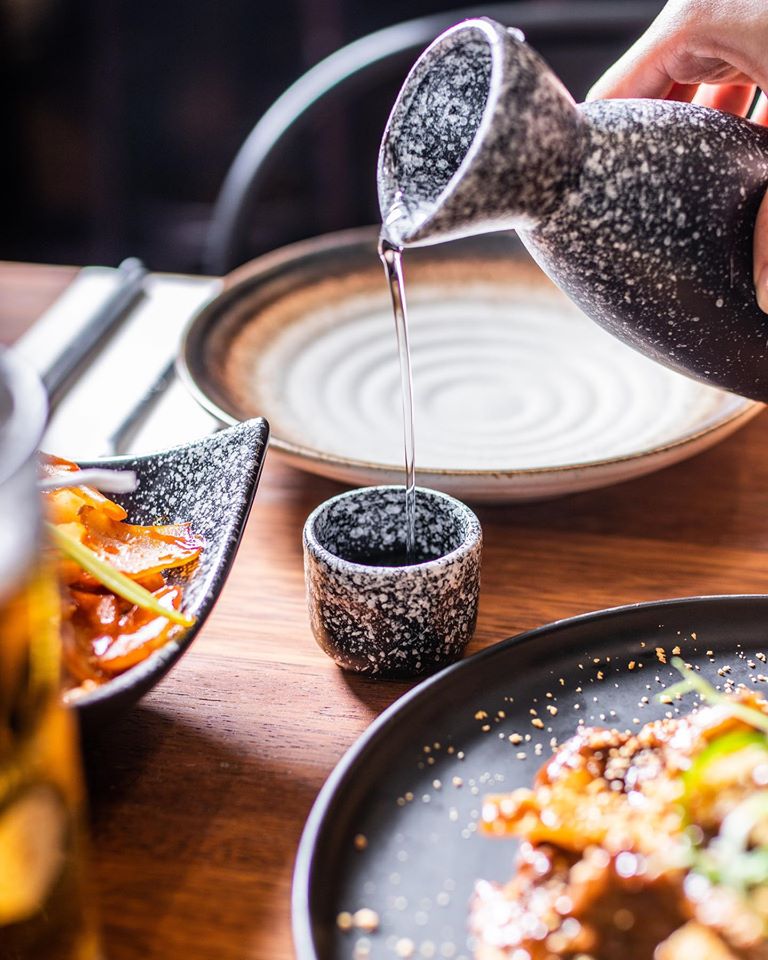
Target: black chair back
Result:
[318, 143]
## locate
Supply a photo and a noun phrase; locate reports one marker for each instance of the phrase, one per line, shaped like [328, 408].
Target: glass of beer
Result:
[45, 905]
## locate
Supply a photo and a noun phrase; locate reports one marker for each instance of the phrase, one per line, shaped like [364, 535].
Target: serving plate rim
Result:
[322, 807]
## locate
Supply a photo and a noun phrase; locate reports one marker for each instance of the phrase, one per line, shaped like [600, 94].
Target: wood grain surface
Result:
[199, 796]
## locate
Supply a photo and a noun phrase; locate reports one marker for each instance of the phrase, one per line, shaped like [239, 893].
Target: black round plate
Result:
[395, 827]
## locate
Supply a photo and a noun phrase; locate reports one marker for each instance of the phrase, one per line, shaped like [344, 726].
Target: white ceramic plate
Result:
[518, 395]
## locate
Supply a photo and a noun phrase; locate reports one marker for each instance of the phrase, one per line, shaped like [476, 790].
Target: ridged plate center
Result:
[503, 380]
[517, 394]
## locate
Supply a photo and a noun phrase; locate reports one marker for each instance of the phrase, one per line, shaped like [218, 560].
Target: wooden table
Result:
[199, 796]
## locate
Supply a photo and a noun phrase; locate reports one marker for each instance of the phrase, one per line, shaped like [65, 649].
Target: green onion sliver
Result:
[726, 745]
[741, 821]
[692, 681]
[112, 578]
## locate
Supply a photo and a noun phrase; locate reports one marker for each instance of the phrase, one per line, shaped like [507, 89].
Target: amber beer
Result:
[45, 907]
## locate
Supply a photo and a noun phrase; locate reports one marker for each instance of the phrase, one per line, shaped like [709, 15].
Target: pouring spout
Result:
[482, 137]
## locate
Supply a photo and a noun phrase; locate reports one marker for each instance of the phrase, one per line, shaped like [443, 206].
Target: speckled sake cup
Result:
[392, 621]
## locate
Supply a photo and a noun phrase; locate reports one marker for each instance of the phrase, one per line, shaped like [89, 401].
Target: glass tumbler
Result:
[45, 905]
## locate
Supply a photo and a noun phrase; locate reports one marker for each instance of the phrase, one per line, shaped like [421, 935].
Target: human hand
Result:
[711, 52]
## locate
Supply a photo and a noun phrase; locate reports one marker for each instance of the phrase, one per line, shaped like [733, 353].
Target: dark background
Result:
[120, 119]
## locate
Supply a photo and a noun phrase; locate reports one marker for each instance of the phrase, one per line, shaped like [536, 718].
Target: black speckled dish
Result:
[392, 619]
[412, 786]
[211, 483]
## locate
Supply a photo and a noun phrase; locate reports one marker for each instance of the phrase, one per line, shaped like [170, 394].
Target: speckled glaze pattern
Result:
[211, 483]
[654, 240]
[642, 211]
[446, 151]
[392, 622]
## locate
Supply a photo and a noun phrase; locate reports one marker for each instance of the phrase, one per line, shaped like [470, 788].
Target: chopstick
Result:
[129, 426]
[129, 289]
[107, 481]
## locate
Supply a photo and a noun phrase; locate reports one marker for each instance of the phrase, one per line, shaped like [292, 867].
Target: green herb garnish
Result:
[703, 771]
[728, 858]
[693, 682]
[112, 578]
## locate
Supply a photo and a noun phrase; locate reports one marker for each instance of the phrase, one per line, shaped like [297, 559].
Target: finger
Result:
[731, 97]
[684, 92]
[632, 80]
[638, 73]
[760, 113]
[760, 256]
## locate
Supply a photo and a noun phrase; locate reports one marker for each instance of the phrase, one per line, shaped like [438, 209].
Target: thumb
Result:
[760, 256]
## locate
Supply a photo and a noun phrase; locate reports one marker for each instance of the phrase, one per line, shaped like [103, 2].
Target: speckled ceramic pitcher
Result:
[641, 210]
